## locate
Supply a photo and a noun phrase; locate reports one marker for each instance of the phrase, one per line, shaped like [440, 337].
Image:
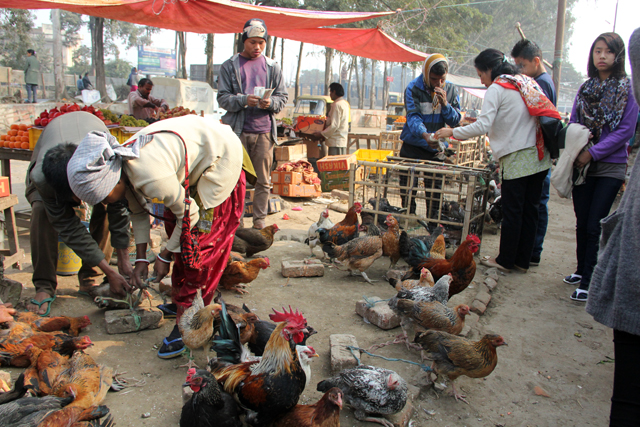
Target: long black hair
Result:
[616, 45]
[496, 61]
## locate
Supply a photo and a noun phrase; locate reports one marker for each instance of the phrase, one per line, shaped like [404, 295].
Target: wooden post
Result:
[352, 180]
[557, 53]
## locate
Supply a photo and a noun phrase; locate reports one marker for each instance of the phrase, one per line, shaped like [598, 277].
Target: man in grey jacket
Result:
[32, 75]
[250, 114]
[53, 216]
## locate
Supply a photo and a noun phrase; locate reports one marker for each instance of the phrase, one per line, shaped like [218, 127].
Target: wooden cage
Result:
[438, 194]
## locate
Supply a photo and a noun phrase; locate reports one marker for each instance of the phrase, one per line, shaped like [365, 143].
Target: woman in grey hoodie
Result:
[615, 285]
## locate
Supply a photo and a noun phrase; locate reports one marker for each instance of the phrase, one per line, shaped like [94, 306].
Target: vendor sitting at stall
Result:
[153, 166]
[141, 104]
[53, 216]
[431, 103]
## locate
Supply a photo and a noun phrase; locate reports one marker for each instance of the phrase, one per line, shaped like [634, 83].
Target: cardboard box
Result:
[336, 163]
[300, 190]
[293, 178]
[338, 180]
[313, 150]
[291, 152]
[4, 186]
[309, 124]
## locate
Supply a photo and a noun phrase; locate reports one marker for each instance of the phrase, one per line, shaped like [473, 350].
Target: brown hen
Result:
[324, 413]
[238, 274]
[435, 315]
[250, 241]
[454, 356]
[391, 240]
[361, 252]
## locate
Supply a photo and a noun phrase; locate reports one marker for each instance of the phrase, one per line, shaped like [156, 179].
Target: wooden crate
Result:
[466, 151]
[448, 195]
[391, 141]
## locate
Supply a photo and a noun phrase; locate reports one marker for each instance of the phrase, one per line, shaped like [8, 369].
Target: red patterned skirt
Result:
[215, 247]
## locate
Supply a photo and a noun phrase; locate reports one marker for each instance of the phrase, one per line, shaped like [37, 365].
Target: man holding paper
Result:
[252, 104]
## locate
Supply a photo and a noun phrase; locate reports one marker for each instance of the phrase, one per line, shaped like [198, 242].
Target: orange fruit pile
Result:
[401, 119]
[16, 137]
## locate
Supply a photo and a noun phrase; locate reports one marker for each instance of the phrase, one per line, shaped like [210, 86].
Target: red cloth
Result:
[214, 249]
[534, 98]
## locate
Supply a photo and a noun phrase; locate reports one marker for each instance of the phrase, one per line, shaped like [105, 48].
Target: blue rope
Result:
[390, 359]
[371, 304]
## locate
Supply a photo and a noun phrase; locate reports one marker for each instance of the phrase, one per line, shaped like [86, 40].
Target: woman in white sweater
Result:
[509, 111]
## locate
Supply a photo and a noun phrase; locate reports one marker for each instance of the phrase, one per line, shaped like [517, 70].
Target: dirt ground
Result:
[553, 342]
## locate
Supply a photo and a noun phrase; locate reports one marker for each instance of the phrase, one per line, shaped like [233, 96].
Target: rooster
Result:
[425, 281]
[342, 232]
[391, 240]
[208, 405]
[196, 325]
[250, 241]
[461, 266]
[416, 249]
[324, 413]
[87, 381]
[70, 325]
[325, 223]
[30, 411]
[15, 354]
[47, 366]
[361, 252]
[370, 390]
[238, 274]
[273, 385]
[454, 356]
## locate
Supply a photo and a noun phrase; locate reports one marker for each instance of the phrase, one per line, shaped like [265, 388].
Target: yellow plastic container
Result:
[373, 156]
[34, 135]
[68, 262]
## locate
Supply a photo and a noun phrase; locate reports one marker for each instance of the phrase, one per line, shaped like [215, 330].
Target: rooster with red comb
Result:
[271, 386]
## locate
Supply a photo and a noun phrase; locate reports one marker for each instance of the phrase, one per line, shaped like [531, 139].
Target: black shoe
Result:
[535, 260]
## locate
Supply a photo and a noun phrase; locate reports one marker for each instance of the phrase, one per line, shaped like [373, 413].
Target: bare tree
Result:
[97, 52]
[208, 50]
[298, 71]
[327, 69]
[182, 53]
[58, 72]
[372, 98]
[353, 60]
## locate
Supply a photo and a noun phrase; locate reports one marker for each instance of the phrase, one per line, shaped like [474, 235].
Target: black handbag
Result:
[551, 130]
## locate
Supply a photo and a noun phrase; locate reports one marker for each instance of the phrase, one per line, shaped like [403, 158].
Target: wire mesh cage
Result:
[423, 195]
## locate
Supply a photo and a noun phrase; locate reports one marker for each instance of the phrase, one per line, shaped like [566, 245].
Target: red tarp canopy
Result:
[370, 43]
[220, 16]
[197, 16]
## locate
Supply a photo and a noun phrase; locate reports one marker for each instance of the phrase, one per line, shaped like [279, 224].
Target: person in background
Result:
[132, 81]
[336, 133]
[528, 57]
[613, 294]
[79, 85]
[431, 103]
[605, 105]
[141, 104]
[32, 76]
[153, 166]
[512, 104]
[53, 217]
[251, 117]
[86, 82]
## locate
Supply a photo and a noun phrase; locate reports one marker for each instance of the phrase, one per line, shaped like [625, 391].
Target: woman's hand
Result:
[444, 133]
[582, 160]
[161, 268]
[140, 274]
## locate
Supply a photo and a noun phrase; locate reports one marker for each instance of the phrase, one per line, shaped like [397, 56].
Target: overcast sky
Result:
[592, 18]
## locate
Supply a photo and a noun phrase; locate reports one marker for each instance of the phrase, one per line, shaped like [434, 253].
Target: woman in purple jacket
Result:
[606, 106]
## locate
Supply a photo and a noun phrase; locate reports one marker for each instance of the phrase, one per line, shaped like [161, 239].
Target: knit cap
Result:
[254, 28]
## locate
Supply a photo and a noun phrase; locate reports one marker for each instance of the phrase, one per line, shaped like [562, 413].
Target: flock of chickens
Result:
[263, 366]
[65, 385]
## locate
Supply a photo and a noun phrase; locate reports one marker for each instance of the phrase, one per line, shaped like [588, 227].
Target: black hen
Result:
[16, 392]
[30, 411]
[495, 211]
[370, 390]
[414, 250]
[208, 406]
[385, 206]
[227, 344]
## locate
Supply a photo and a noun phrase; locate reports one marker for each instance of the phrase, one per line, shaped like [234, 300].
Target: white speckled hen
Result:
[370, 390]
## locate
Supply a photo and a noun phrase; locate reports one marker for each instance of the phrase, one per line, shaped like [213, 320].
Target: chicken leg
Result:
[366, 278]
[362, 416]
[457, 395]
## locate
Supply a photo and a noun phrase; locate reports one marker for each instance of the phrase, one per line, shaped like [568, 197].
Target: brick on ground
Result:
[362, 306]
[302, 268]
[340, 194]
[478, 307]
[383, 317]
[341, 357]
[483, 297]
[490, 283]
[483, 288]
[122, 321]
[402, 418]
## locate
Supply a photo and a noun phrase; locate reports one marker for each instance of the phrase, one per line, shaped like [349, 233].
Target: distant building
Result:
[47, 31]
[199, 71]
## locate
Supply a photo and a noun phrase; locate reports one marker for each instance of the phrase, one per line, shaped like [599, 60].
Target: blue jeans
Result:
[31, 89]
[592, 202]
[543, 217]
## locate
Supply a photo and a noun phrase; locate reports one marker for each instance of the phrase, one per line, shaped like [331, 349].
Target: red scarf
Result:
[535, 100]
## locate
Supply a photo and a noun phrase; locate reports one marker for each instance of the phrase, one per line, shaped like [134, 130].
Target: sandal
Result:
[520, 269]
[171, 349]
[44, 301]
[491, 262]
[580, 295]
[168, 310]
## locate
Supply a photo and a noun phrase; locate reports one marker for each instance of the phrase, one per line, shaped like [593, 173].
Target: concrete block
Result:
[402, 418]
[483, 288]
[302, 268]
[478, 307]
[340, 194]
[492, 273]
[490, 283]
[122, 321]
[341, 357]
[164, 287]
[383, 317]
[483, 297]
[362, 306]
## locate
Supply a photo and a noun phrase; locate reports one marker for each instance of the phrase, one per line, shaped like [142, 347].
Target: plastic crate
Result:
[373, 156]
[34, 135]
